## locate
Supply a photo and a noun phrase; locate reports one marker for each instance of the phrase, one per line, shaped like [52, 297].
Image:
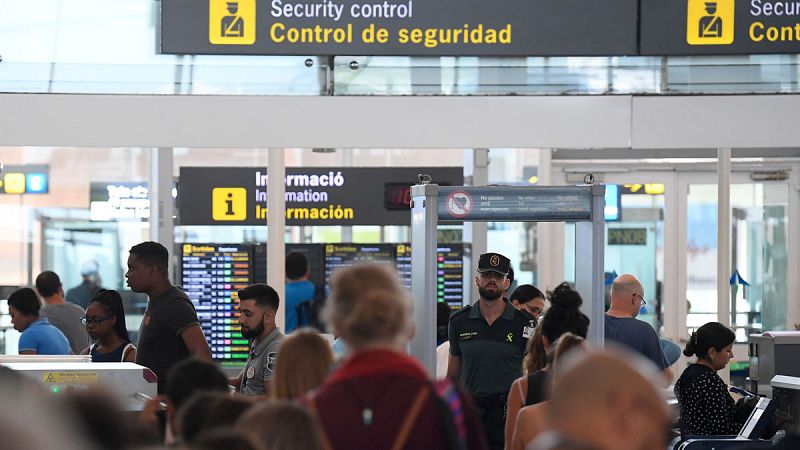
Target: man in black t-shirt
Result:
[487, 342]
[170, 330]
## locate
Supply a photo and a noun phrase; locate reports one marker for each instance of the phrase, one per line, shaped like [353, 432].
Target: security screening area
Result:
[399, 225]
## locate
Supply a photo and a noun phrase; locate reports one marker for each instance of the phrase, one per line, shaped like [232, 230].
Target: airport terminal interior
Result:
[108, 140]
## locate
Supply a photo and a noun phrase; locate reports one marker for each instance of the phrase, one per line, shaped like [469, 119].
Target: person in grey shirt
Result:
[64, 315]
[258, 304]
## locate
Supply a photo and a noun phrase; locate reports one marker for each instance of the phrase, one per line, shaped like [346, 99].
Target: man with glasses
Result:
[621, 325]
[487, 342]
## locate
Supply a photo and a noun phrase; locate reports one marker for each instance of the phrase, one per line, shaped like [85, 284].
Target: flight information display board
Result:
[312, 252]
[449, 272]
[346, 255]
[211, 276]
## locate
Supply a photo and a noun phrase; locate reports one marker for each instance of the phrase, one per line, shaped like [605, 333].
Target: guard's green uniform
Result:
[491, 359]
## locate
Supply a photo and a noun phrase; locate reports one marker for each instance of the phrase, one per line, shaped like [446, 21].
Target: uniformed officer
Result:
[258, 304]
[487, 343]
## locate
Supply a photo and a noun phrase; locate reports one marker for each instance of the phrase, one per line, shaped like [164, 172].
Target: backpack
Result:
[309, 312]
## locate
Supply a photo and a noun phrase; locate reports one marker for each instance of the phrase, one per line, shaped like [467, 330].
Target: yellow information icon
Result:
[232, 22]
[229, 204]
[709, 22]
[15, 183]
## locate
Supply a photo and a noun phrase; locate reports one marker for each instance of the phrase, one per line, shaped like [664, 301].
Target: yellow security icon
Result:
[232, 22]
[709, 22]
[229, 204]
[15, 183]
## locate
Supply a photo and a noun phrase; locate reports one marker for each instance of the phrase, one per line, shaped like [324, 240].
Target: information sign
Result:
[27, 179]
[314, 195]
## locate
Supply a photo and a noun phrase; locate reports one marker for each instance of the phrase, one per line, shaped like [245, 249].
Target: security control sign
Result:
[713, 27]
[314, 196]
[400, 27]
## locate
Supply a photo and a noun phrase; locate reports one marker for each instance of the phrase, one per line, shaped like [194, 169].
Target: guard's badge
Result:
[494, 260]
[527, 332]
[251, 371]
[272, 359]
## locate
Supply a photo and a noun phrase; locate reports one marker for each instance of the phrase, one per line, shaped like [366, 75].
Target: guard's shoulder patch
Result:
[461, 311]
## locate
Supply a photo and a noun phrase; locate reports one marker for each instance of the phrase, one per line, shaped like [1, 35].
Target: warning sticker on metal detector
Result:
[69, 377]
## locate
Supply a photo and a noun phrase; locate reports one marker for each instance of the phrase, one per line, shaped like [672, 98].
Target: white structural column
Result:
[724, 242]
[723, 235]
[347, 161]
[674, 316]
[162, 228]
[548, 274]
[276, 220]
[793, 244]
[476, 173]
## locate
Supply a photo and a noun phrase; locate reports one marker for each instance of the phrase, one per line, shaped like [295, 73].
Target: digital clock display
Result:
[397, 196]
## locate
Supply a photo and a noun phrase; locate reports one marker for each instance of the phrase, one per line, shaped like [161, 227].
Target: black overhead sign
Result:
[314, 195]
[400, 27]
[522, 203]
[715, 27]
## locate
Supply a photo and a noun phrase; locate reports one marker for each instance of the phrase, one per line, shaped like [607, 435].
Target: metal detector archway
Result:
[431, 204]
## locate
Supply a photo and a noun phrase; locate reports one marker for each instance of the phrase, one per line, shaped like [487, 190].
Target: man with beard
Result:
[258, 304]
[487, 342]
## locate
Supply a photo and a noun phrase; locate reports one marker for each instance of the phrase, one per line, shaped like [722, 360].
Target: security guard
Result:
[487, 343]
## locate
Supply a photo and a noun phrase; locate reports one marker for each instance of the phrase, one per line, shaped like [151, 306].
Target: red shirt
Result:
[364, 403]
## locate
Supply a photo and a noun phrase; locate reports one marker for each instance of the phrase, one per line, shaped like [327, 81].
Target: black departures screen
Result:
[346, 255]
[211, 275]
[449, 272]
[312, 252]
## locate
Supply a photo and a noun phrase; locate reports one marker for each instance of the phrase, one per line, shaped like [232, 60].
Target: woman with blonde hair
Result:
[304, 363]
[380, 398]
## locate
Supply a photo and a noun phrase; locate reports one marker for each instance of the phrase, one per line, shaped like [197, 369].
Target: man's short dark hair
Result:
[263, 294]
[296, 265]
[152, 253]
[48, 283]
[25, 301]
[191, 376]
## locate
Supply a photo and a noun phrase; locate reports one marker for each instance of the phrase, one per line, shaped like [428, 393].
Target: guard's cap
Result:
[494, 262]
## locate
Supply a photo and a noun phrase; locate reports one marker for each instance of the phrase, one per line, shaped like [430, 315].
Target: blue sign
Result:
[613, 209]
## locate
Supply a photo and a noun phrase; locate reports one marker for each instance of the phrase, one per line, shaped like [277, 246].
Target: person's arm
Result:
[237, 381]
[27, 344]
[515, 401]
[454, 363]
[454, 367]
[196, 342]
[85, 351]
[668, 375]
[130, 355]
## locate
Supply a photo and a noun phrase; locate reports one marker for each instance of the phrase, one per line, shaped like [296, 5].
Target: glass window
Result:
[759, 256]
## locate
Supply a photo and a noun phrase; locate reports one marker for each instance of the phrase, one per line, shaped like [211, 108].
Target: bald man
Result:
[615, 409]
[621, 325]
